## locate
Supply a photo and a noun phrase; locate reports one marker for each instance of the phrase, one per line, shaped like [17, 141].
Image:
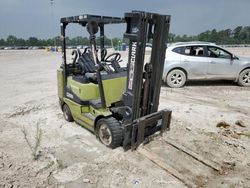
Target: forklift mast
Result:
[144, 80]
[141, 99]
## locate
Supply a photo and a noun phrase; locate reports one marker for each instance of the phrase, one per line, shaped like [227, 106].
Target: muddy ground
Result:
[70, 156]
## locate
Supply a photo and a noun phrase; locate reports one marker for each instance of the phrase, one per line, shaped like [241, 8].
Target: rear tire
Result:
[67, 113]
[109, 132]
[244, 78]
[176, 78]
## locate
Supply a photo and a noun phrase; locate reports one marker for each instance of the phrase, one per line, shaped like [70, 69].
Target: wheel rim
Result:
[246, 78]
[176, 79]
[105, 134]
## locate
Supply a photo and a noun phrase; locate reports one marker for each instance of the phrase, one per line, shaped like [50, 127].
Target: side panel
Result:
[113, 89]
[222, 68]
[60, 83]
[85, 115]
[74, 108]
[88, 91]
[196, 66]
[76, 111]
[221, 64]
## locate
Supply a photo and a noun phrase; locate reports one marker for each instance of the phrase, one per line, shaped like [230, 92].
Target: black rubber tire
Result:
[115, 129]
[67, 113]
[244, 74]
[173, 74]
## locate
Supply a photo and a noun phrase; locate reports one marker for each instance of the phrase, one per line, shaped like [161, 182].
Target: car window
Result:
[217, 53]
[194, 51]
[178, 50]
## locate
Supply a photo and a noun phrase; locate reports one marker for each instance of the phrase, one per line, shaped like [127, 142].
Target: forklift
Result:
[118, 104]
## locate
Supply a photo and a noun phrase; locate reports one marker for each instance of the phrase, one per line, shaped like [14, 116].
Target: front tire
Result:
[244, 78]
[67, 113]
[176, 78]
[109, 132]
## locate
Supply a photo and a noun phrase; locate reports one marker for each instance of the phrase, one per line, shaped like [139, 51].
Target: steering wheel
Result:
[86, 50]
[110, 57]
[104, 53]
[75, 53]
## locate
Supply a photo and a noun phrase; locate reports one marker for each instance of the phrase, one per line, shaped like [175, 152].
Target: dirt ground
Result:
[70, 156]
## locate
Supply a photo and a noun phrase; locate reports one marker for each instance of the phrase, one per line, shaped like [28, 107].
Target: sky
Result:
[37, 18]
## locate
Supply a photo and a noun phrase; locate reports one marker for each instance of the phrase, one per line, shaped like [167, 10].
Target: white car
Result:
[203, 61]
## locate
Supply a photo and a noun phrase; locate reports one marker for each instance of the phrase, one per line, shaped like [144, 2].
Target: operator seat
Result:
[88, 73]
[86, 61]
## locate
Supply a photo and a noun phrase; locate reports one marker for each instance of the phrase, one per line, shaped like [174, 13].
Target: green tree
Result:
[2, 42]
[33, 41]
[171, 37]
[20, 42]
[11, 40]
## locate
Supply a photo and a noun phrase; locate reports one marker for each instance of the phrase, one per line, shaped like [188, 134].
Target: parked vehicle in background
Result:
[203, 61]
[9, 48]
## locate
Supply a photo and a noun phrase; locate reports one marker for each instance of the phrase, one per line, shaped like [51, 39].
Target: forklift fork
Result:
[141, 129]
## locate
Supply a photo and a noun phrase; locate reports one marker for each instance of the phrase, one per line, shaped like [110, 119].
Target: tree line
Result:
[239, 35]
[56, 41]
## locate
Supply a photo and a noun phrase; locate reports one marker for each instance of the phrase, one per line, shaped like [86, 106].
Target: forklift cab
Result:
[120, 105]
[83, 73]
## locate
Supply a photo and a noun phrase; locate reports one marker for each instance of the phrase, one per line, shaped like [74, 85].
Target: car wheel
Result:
[176, 78]
[109, 132]
[244, 78]
[67, 113]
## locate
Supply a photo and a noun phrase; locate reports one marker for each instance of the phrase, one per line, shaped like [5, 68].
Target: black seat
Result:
[200, 53]
[86, 61]
[192, 52]
[88, 69]
[80, 78]
[92, 77]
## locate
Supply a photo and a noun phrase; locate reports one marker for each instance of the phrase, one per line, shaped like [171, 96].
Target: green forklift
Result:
[118, 104]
